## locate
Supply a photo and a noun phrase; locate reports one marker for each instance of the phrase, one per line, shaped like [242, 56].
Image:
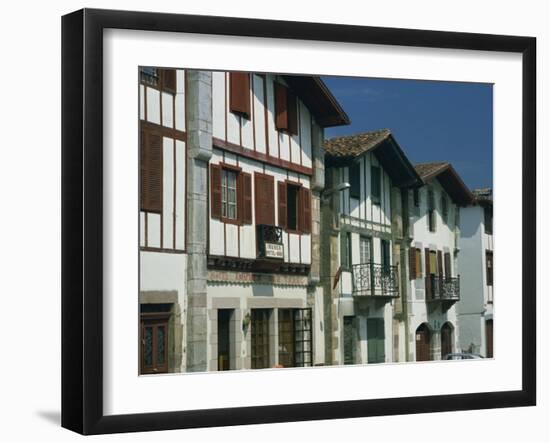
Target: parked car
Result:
[461, 356]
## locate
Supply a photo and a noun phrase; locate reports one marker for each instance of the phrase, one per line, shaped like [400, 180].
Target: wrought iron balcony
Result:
[374, 280]
[445, 289]
[270, 242]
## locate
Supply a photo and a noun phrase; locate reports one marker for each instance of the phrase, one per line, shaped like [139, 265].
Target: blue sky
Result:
[431, 121]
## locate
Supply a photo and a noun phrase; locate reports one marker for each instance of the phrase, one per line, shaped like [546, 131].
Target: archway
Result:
[423, 340]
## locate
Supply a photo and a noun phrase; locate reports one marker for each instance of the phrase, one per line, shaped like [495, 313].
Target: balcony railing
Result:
[375, 280]
[439, 288]
[270, 242]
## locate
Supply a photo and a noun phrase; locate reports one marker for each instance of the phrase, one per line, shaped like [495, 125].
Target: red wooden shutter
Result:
[281, 191]
[281, 113]
[292, 113]
[142, 170]
[264, 199]
[448, 265]
[168, 80]
[428, 273]
[239, 93]
[412, 263]
[439, 263]
[215, 192]
[246, 206]
[151, 180]
[304, 224]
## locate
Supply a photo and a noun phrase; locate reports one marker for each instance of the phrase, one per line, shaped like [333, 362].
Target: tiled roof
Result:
[428, 170]
[354, 145]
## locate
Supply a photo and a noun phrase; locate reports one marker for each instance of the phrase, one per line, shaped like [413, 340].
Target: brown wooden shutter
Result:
[246, 206]
[151, 172]
[239, 93]
[142, 169]
[281, 108]
[215, 191]
[281, 191]
[304, 225]
[440, 263]
[428, 273]
[168, 79]
[448, 265]
[264, 200]
[292, 113]
[412, 263]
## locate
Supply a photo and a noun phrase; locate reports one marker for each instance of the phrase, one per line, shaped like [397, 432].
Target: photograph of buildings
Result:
[298, 221]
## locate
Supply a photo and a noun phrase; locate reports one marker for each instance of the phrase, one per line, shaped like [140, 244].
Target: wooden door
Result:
[224, 339]
[489, 338]
[446, 340]
[260, 338]
[154, 344]
[423, 340]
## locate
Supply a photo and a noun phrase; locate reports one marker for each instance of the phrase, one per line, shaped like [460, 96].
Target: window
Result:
[345, 250]
[355, 180]
[365, 249]
[386, 261]
[294, 207]
[164, 79]
[286, 111]
[239, 93]
[154, 338]
[433, 263]
[431, 211]
[448, 273]
[230, 194]
[488, 219]
[444, 208]
[416, 197]
[376, 190]
[415, 263]
[260, 338]
[295, 337]
[489, 267]
[150, 165]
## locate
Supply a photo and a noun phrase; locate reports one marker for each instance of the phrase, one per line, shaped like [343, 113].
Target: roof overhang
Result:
[393, 160]
[317, 97]
[453, 185]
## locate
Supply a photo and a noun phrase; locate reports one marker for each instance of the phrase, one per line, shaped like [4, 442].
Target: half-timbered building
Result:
[162, 219]
[362, 244]
[475, 310]
[434, 284]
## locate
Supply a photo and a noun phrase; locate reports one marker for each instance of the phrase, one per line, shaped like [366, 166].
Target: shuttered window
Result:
[294, 207]
[489, 267]
[448, 273]
[239, 93]
[230, 194]
[150, 172]
[286, 109]
[440, 263]
[168, 78]
[376, 189]
[412, 263]
[264, 186]
[418, 263]
[429, 271]
[355, 180]
[431, 211]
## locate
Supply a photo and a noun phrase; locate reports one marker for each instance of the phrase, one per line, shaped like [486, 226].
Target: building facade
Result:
[361, 246]
[476, 250]
[229, 255]
[434, 285]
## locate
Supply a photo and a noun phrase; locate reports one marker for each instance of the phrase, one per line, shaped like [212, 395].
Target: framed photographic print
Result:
[270, 221]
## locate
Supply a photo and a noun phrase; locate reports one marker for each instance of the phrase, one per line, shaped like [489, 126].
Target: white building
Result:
[434, 284]
[232, 166]
[476, 260]
[362, 239]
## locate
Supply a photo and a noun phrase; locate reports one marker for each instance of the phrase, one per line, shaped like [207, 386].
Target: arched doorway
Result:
[446, 339]
[489, 338]
[423, 339]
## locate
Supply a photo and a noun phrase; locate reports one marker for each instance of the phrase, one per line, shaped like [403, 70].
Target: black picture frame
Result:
[82, 215]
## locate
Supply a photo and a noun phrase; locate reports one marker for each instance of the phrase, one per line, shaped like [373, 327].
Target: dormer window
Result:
[355, 180]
